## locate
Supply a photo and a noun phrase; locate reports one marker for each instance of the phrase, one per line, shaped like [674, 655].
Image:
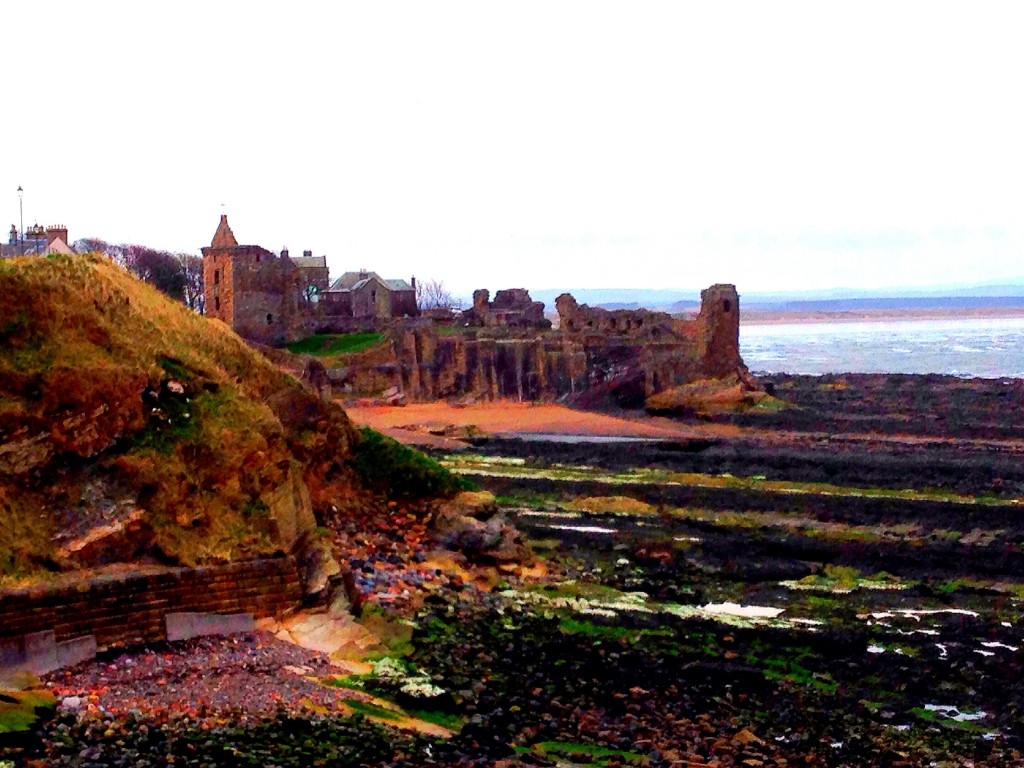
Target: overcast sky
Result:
[645, 145]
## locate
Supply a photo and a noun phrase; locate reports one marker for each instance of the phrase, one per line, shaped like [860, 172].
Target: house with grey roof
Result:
[366, 294]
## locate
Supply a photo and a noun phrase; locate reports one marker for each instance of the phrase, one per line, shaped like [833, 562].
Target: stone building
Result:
[274, 299]
[367, 294]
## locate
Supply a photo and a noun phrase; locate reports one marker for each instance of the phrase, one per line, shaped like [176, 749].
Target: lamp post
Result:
[21, 219]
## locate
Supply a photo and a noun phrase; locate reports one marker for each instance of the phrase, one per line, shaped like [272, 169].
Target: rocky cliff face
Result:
[130, 427]
[595, 356]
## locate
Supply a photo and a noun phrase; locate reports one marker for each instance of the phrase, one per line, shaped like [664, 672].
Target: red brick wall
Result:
[124, 609]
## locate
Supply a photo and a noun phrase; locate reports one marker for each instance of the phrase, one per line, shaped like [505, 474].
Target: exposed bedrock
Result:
[596, 355]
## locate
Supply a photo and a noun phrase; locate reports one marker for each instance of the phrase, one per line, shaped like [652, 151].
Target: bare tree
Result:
[192, 267]
[431, 294]
[90, 245]
[163, 270]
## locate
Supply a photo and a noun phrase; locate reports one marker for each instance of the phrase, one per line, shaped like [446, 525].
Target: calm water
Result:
[991, 347]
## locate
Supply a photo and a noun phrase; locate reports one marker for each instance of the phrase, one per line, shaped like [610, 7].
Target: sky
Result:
[776, 146]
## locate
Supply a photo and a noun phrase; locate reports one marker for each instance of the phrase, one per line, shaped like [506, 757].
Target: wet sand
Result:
[416, 422]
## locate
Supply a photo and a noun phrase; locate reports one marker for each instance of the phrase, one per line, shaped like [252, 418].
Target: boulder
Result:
[709, 396]
[472, 524]
[317, 566]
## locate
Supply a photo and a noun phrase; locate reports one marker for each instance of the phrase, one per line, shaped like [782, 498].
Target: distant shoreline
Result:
[762, 317]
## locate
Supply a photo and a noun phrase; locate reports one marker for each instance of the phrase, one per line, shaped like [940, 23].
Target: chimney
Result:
[284, 253]
[307, 254]
[53, 233]
[413, 281]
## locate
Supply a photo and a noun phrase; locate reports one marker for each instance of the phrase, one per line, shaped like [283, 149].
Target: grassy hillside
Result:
[118, 404]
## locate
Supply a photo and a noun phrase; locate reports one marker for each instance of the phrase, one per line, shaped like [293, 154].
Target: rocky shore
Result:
[789, 590]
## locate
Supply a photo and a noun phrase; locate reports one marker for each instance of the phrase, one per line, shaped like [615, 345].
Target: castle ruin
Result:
[273, 299]
[507, 349]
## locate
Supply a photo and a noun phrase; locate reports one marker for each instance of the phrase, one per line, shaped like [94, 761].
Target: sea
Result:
[969, 347]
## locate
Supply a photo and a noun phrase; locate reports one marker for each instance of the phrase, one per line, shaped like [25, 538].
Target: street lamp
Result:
[21, 218]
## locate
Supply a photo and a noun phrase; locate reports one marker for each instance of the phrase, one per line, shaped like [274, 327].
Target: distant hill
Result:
[888, 303]
[831, 300]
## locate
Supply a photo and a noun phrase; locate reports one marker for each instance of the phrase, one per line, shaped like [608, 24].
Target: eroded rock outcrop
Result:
[132, 428]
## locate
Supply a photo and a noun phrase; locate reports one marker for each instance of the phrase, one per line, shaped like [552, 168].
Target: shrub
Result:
[400, 472]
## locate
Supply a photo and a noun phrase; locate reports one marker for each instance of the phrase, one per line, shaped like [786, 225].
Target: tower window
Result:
[216, 277]
[726, 305]
[216, 302]
[270, 319]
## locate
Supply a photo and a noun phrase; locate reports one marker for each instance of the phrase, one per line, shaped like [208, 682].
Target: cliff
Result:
[133, 429]
[595, 356]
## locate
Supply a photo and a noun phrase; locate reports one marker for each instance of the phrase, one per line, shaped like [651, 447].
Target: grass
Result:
[332, 345]
[26, 534]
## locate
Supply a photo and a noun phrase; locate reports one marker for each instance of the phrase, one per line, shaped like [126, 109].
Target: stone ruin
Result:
[511, 308]
[508, 350]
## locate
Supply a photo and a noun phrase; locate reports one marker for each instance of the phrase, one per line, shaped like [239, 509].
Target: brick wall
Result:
[124, 609]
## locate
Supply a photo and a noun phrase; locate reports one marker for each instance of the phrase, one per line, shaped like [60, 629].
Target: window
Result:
[216, 302]
[270, 319]
[726, 306]
[216, 277]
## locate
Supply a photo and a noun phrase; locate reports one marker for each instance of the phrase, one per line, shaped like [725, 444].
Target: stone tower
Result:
[719, 330]
[246, 287]
[218, 273]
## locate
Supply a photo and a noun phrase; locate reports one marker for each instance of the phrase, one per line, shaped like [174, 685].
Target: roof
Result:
[223, 237]
[59, 246]
[310, 262]
[349, 279]
[32, 246]
[352, 280]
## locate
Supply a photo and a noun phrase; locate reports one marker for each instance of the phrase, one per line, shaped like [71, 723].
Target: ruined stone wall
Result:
[403, 303]
[707, 346]
[597, 355]
[511, 308]
[125, 609]
[644, 325]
